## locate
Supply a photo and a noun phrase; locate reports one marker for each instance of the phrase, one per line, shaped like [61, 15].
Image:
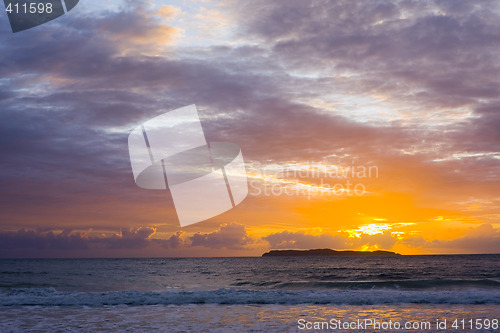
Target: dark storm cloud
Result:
[175, 241]
[229, 236]
[134, 238]
[22, 239]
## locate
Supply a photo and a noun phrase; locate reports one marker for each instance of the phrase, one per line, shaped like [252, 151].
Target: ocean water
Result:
[273, 294]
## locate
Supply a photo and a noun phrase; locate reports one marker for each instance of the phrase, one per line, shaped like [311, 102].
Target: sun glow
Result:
[369, 229]
[366, 248]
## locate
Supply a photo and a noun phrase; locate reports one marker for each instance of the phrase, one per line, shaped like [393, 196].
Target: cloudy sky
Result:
[314, 92]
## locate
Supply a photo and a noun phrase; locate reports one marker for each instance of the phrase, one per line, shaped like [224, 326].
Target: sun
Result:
[369, 229]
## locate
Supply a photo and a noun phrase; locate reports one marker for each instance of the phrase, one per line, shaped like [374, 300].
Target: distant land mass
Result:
[325, 252]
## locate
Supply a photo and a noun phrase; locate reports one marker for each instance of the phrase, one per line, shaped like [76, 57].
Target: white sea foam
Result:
[52, 297]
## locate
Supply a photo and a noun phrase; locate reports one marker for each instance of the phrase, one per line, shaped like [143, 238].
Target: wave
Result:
[434, 284]
[18, 285]
[52, 297]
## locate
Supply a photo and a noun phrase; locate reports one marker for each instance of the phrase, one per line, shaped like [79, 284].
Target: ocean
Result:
[452, 293]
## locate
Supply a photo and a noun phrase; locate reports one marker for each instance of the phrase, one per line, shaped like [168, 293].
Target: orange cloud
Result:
[168, 11]
[141, 32]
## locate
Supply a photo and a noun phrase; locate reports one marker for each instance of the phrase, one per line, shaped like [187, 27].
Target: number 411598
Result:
[477, 324]
[31, 8]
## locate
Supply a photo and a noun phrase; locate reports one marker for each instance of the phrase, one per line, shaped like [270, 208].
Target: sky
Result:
[365, 125]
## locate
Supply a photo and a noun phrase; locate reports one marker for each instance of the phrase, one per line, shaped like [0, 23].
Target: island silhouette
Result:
[326, 252]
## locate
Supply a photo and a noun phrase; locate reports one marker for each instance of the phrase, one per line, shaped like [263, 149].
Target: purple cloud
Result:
[229, 236]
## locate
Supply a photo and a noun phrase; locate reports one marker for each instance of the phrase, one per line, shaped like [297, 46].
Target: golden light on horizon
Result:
[370, 229]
